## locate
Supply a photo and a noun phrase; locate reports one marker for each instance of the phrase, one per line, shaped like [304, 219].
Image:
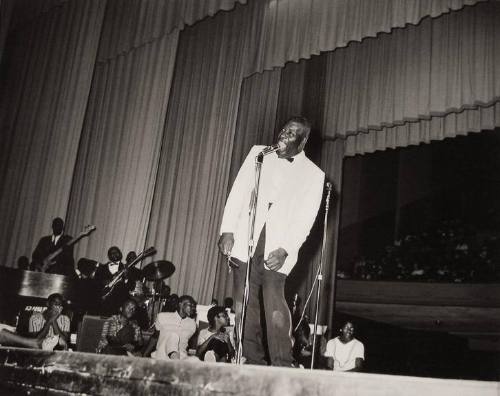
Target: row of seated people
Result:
[174, 331]
[121, 334]
[450, 251]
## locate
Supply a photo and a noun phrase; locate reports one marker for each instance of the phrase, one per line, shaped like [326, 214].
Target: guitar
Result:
[119, 275]
[50, 259]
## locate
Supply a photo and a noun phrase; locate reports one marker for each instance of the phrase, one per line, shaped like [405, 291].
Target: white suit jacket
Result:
[289, 198]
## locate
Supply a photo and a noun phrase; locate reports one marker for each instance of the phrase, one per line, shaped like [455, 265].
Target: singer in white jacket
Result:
[290, 192]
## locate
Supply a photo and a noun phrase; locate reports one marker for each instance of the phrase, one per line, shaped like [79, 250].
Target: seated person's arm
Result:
[359, 357]
[201, 349]
[152, 343]
[358, 364]
[63, 331]
[138, 338]
[103, 342]
[137, 342]
[35, 331]
[329, 362]
[227, 340]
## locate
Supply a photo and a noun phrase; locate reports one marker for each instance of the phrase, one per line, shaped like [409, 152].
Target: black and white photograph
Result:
[250, 197]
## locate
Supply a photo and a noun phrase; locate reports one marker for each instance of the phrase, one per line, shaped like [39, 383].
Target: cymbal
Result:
[158, 270]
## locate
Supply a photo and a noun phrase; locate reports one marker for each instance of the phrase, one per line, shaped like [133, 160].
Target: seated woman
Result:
[120, 334]
[214, 341]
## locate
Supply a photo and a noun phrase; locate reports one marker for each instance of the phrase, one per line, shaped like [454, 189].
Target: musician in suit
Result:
[104, 274]
[64, 263]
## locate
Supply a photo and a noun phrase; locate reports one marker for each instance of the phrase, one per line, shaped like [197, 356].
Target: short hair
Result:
[228, 302]
[213, 312]
[57, 220]
[114, 248]
[187, 297]
[344, 323]
[129, 300]
[302, 121]
[54, 296]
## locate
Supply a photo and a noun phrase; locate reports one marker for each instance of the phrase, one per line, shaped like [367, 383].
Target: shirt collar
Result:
[297, 157]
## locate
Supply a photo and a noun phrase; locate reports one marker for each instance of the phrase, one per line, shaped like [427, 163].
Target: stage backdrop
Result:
[135, 115]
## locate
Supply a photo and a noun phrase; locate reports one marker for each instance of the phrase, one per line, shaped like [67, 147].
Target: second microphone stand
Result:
[319, 274]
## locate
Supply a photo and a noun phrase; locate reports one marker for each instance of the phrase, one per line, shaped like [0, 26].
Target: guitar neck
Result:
[47, 261]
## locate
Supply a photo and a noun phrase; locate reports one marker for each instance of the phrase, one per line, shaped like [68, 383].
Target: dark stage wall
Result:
[387, 195]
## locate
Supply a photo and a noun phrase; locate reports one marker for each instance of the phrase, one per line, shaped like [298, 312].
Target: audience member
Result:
[173, 331]
[214, 343]
[120, 334]
[345, 353]
[51, 326]
[451, 251]
[171, 303]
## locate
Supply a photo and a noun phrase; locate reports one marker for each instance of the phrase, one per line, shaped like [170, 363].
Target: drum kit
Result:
[151, 291]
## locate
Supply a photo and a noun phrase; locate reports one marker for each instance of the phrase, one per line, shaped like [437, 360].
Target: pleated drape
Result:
[425, 131]
[170, 116]
[132, 23]
[121, 140]
[196, 150]
[44, 93]
[116, 173]
[6, 8]
[443, 65]
[292, 30]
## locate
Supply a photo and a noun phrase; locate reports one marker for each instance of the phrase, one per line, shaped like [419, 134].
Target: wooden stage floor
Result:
[24, 371]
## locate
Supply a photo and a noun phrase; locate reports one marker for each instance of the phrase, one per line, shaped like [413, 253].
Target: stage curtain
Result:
[119, 151]
[47, 72]
[256, 124]
[443, 65]
[6, 8]
[196, 152]
[292, 30]
[115, 175]
[414, 133]
[133, 23]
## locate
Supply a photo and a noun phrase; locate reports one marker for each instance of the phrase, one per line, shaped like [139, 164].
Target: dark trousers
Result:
[276, 312]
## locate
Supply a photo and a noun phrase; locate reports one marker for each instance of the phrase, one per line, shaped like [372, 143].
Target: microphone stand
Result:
[251, 230]
[319, 274]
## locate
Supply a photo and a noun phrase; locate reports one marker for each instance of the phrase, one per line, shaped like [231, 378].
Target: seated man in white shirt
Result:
[345, 353]
[173, 331]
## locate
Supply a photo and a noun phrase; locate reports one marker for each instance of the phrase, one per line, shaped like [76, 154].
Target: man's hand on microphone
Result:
[226, 242]
[276, 259]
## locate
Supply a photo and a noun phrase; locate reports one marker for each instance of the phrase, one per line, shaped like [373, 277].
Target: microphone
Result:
[271, 149]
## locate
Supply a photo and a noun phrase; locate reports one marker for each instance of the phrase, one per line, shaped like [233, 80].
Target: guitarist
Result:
[104, 274]
[64, 263]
